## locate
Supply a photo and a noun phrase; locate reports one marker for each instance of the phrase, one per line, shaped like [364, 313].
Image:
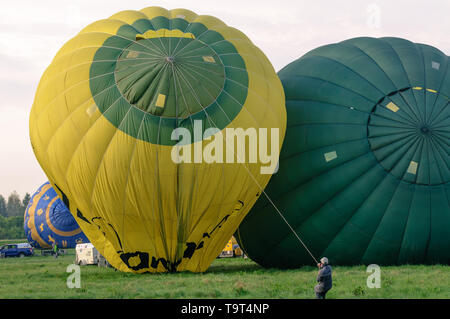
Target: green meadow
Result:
[46, 277]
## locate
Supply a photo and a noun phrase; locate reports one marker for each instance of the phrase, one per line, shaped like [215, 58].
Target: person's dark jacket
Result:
[324, 279]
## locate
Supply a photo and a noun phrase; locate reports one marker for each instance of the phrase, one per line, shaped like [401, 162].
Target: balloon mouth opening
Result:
[425, 130]
[170, 59]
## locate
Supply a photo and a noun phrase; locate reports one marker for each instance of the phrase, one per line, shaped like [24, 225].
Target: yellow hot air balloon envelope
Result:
[102, 128]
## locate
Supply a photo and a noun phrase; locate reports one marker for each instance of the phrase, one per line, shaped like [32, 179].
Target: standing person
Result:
[55, 250]
[324, 279]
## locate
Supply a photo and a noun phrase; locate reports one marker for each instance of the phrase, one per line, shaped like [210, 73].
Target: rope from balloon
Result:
[292, 229]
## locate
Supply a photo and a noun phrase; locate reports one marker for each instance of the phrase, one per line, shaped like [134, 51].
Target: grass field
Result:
[46, 277]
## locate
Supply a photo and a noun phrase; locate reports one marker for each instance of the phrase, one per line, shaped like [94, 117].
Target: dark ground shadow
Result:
[252, 267]
[227, 269]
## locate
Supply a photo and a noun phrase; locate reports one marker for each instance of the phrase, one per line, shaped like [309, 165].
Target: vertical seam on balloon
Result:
[439, 90]
[103, 157]
[436, 151]
[429, 233]
[150, 20]
[425, 85]
[162, 45]
[432, 121]
[177, 166]
[197, 38]
[419, 50]
[439, 149]
[382, 70]
[428, 159]
[162, 229]
[400, 248]
[418, 154]
[187, 27]
[124, 198]
[196, 179]
[407, 76]
[381, 219]
[162, 51]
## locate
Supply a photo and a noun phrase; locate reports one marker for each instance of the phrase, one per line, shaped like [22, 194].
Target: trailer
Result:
[86, 254]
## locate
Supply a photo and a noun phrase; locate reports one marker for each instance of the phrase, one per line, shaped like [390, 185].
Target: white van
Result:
[86, 254]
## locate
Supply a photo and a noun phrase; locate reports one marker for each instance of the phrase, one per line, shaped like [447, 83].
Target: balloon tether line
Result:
[290, 227]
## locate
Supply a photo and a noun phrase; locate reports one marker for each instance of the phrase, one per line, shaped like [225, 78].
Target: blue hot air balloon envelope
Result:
[48, 221]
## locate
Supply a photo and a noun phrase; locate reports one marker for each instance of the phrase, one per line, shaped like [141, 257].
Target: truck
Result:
[87, 254]
[16, 250]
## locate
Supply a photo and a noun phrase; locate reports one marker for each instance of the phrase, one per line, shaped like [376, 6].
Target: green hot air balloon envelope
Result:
[365, 166]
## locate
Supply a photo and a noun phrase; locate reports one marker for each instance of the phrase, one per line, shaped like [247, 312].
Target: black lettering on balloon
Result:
[93, 219]
[171, 267]
[219, 225]
[80, 216]
[117, 235]
[64, 197]
[191, 247]
[143, 258]
[101, 219]
[240, 207]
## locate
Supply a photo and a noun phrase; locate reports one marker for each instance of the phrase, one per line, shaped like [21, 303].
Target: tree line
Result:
[12, 211]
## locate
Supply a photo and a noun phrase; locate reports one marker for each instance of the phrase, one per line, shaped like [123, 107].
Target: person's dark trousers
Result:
[320, 295]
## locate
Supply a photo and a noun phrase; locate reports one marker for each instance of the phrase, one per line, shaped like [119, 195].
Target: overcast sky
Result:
[31, 32]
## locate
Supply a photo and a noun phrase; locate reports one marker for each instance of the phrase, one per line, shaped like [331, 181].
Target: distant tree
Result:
[11, 227]
[26, 199]
[14, 207]
[2, 206]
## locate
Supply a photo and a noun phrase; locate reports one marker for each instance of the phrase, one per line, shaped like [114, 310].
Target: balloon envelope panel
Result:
[48, 221]
[365, 168]
[102, 129]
